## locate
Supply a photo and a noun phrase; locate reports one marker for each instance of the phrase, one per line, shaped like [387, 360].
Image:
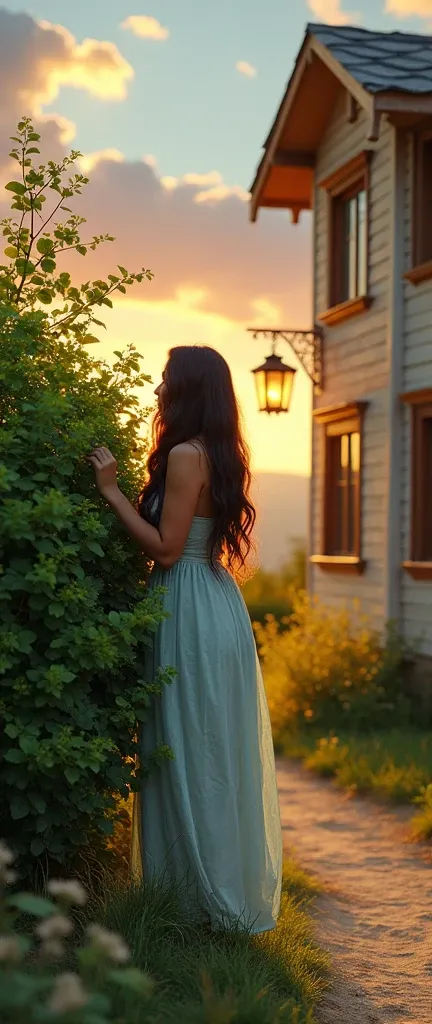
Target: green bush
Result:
[76, 618]
[331, 670]
[47, 975]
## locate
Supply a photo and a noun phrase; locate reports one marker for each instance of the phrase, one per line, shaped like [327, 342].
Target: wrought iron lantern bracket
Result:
[306, 345]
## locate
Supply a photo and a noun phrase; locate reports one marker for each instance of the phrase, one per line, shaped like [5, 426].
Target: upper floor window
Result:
[348, 231]
[349, 245]
[422, 212]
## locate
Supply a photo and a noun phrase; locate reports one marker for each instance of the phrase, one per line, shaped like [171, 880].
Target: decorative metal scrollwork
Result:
[307, 346]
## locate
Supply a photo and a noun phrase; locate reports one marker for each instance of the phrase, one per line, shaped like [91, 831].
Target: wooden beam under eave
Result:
[293, 158]
[403, 102]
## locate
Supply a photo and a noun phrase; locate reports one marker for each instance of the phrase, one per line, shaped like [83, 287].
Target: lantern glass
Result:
[274, 382]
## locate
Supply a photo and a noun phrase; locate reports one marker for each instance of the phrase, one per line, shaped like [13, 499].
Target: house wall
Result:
[416, 595]
[356, 364]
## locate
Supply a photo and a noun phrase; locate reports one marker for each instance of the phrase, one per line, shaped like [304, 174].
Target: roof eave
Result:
[311, 47]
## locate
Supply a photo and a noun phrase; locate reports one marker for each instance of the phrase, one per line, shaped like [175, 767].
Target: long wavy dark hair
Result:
[200, 403]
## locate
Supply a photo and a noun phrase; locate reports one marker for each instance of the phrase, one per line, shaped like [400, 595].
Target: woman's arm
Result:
[184, 481]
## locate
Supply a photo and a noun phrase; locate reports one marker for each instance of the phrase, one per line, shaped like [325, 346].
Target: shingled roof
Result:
[383, 74]
[380, 61]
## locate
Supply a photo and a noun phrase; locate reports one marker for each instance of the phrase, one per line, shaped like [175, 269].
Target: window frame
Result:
[419, 564]
[347, 182]
[421, 267]
[335, 422]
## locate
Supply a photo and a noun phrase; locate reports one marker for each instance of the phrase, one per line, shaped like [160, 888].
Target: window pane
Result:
[362, 244]
[343, 483]
[425, 213]
[427, 491]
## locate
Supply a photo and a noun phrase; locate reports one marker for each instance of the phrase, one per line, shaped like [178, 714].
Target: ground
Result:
[375, 917]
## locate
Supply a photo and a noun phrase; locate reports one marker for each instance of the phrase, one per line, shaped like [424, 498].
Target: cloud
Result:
[197, 239]
[245, 68]
[409, 8]
[329, 11]
[192, 231]
[145, 27]
[37, 59]
[89, 161]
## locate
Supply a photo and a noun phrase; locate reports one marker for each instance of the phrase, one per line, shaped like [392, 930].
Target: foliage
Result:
[57, 964]
[421, 825]
[219, 978]
[272, 593]
[76, 618]
[394, 765]
[48, 974]
[331, 669]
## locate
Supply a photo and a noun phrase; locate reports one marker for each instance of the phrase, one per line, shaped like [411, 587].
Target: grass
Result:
[226, 978]
[394, 765]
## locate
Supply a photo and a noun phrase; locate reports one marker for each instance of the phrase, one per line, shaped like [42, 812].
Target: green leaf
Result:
[44, 296]
[11, 252]
[17, 187]
[44, 245]
[11, 730]
[72, 775]
[14, 756]
[89, 339]
[37, 846]
[27, 903]
[19, 807]
[48, 265]
[33, 149]
[82, 249]
[95, 548]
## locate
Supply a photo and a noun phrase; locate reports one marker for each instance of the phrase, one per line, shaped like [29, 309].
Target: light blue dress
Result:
[211, 815]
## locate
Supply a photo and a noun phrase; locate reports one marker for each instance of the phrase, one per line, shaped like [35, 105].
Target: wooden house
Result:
[352, 142]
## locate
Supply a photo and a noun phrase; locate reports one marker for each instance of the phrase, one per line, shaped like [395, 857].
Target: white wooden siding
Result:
[416, 595]
[356, 364]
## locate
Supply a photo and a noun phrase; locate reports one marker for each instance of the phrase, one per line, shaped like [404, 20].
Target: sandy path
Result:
[376, 916]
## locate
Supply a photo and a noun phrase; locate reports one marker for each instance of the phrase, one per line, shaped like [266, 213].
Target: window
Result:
[349, 246]
[341, 512]
[348, 227]
[420, 562]
[422, 209]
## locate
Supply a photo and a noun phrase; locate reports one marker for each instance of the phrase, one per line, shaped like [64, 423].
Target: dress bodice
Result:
[197, 545]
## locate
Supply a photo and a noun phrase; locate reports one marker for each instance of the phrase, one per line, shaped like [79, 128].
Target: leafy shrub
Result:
[47, 975]
[76, 618]
[330, 669]
[57, 964]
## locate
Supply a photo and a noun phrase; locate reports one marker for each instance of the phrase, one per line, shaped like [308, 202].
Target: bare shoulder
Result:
[184, 458]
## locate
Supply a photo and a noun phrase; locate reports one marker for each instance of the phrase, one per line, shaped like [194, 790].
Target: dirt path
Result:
[376, 916]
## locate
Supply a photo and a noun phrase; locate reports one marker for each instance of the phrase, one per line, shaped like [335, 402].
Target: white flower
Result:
[68, 994]
[10, 949]
[56, 927]
[6, 856]
[52, 949]
[68, 890]
[109, 943]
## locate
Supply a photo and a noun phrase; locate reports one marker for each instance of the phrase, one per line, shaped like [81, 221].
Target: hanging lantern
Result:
[274, 383]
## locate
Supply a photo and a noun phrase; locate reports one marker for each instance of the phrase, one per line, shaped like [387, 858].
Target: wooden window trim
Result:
[346, 181]
[419, 566]
[345, 310]
[421, 270]
[337, 420]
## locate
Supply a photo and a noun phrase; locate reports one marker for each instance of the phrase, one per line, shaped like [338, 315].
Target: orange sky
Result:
[279, 444]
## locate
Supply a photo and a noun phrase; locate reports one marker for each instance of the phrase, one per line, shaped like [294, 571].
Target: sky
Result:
[170, 104]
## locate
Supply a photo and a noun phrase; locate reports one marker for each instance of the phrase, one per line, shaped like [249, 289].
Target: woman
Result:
[210, 815]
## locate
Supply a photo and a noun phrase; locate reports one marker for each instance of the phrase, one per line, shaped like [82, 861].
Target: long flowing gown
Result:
[211, 816]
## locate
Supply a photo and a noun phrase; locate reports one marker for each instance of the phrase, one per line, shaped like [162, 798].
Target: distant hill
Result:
[282, 503]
